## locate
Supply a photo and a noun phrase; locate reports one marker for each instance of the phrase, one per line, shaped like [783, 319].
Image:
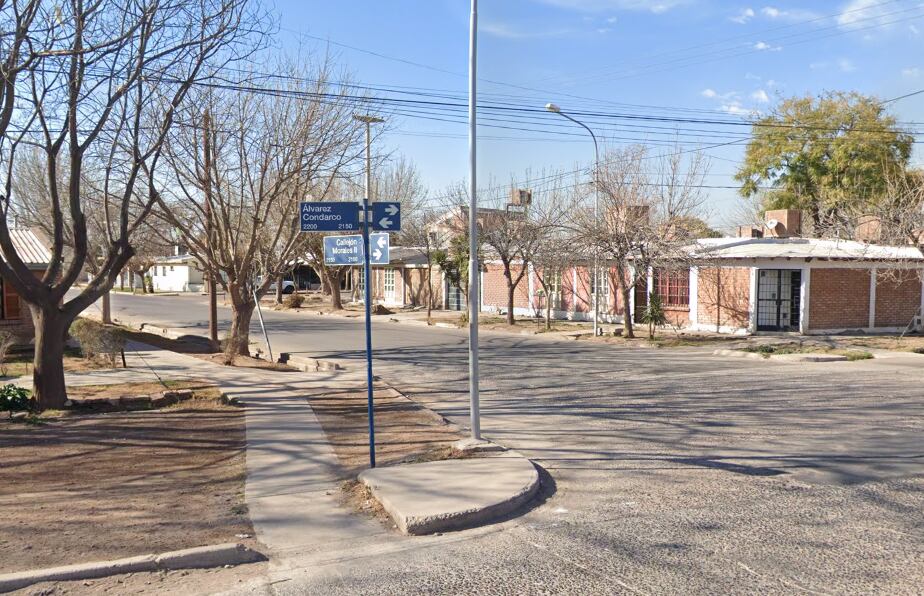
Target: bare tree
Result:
[267, 152]
[95, 87]
[644, 211]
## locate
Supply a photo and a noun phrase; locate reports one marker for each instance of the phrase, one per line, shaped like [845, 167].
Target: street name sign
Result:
[327, 216]
[386, 216]
[348, 250]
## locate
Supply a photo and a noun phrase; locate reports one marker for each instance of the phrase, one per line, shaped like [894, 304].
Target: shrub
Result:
[7, 340]
[918, 350]
[97, 339]
[13, 398]
[294, 301]
[853, 355]
[654, 315]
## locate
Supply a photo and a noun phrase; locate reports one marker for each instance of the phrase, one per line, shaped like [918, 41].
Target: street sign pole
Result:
[368, 302]
[367, 249]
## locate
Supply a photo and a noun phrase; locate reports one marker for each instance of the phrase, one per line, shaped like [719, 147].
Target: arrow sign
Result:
[348, 250]
[386, 216]
[380, 252]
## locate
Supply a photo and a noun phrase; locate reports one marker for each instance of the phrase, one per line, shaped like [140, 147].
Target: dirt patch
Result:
[248, 362]
[404, 430]
[201, 389]
[105, 486]
[19, 364]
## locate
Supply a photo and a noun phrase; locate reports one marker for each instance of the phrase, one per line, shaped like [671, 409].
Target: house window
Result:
[163, 271]
[673, 286]
[554, 282]
[390, 282]
[171, 267]
[362, 280]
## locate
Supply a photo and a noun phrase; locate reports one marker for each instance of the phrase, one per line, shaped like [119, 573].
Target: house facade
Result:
[14, 314]
[749, 284]
[179, 273]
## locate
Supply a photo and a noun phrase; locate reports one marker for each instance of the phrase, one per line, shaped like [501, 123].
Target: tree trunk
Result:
[48, 374]
[107, 309]
[548, 308]
[510, 292]
[333, 281]
[279, 290]
[239, 337]
[626, 289]
[429, 290]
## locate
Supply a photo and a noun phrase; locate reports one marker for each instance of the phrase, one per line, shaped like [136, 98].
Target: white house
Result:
[180, 273]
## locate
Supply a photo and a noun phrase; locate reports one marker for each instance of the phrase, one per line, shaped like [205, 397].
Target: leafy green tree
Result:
[824, 155]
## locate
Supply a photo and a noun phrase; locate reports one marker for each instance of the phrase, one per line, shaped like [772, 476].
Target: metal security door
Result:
[778, 297]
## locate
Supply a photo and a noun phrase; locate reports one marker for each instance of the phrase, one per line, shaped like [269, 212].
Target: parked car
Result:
[288, 287]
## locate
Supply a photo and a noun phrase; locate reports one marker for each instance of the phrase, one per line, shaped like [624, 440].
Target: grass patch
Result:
[20, 363]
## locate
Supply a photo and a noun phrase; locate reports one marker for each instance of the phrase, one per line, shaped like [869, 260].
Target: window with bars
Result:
[673, 286]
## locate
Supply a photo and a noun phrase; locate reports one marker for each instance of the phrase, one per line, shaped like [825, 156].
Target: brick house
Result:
[14, 315]
[748, 284]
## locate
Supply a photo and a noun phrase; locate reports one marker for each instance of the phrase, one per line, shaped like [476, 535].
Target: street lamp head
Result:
[553, 108]
[368, 118]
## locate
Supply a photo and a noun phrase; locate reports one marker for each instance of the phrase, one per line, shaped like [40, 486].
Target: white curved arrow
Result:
[376, 254]
[382, 241]
[392, 209]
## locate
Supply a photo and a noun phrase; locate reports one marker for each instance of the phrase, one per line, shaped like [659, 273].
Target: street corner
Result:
[453, 494]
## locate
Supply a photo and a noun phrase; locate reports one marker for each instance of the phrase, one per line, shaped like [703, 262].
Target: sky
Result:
[660, 72]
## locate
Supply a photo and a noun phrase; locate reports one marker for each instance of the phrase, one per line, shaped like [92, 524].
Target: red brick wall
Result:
[839, 298]
[723, 296]
[898, 297]
[582, 291]
[495, 287]
[416, 291]
[567, 289]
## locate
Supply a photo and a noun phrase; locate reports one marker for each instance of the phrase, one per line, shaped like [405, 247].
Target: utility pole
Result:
[557, 110]
[473, 272]
[367, 291]
[207, 184]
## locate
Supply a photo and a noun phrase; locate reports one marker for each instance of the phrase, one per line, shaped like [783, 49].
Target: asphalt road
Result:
[671, 471]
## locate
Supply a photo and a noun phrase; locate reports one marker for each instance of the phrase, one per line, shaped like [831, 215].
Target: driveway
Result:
[670, 470]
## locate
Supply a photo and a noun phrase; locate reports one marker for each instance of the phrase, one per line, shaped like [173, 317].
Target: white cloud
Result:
[846, 65]
[505, 31]
[863, 13]
[789, 14]
[911, 73]
[914, 30]
[735, 108]
[763, 46]
[760, 96]
[654, 6]
[818, 65]
[743, 17]
[710, 93]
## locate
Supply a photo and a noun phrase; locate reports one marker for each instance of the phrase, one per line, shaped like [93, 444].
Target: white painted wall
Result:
[177, 278]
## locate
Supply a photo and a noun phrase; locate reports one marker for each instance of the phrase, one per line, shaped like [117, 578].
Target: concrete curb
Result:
[308, 364]
[783, 357]
[190, 558]
[387, 483]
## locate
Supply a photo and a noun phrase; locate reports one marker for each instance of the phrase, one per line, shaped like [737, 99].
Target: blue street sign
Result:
[325, 216]
[380, 249]
[348, 250]
[386, 216]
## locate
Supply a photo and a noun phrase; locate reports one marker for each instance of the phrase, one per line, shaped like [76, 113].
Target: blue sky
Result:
[674, 59]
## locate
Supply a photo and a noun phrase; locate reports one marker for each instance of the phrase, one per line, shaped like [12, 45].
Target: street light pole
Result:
[368, 121]
[557, 110]
[473, 273]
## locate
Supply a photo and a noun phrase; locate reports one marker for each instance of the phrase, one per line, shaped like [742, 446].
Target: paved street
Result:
[671, 470]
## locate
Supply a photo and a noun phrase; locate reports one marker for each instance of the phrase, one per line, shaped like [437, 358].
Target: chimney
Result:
[749, 232]
[783, 223]
[869, 229]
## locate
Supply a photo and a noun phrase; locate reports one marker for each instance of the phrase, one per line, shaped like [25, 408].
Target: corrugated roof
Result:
[29, 248]
[801, 248]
